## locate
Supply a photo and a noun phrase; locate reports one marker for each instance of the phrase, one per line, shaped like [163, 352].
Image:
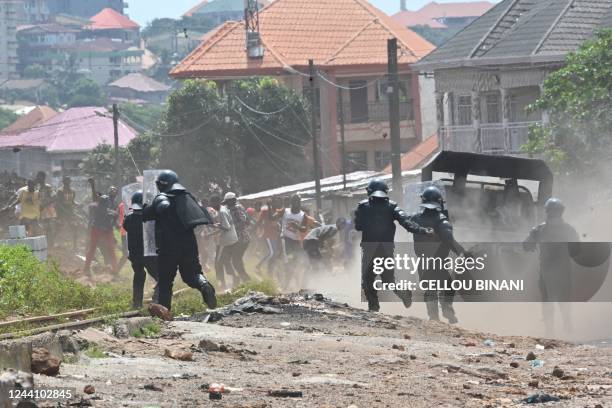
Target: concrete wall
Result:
[25, 163]
[427, 88]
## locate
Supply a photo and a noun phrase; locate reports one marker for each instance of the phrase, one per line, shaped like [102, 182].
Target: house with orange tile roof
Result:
[347, 40]
[109, 23]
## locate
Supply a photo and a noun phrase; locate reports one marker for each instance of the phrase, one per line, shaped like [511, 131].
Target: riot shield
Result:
[149, 190]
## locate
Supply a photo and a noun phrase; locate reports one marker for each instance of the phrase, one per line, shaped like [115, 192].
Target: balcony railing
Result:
[375, 112]
[491, 138]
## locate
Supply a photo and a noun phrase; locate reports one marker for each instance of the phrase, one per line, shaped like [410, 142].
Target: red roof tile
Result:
[109, 19]
[332, 33]
[75, 130]
[418, 155]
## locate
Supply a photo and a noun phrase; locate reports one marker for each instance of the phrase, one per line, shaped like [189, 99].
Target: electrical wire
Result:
[275, 136]
[260, 112]
[267, 152]
[349, 88]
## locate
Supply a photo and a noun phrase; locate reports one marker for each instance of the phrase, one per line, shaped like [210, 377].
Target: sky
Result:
[143, 11]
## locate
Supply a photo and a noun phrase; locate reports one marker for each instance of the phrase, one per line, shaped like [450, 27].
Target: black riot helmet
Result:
[137, 200]
[432, 199]
[554, 208]
[167, 181]
[377, 188]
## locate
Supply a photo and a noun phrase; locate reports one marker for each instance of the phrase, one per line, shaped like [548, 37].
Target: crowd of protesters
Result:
[279, 239]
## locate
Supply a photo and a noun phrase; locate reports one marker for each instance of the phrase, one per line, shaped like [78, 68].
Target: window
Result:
[382, 159]
[493, 108]
[464, 110]
[359, 101]
[356, 161]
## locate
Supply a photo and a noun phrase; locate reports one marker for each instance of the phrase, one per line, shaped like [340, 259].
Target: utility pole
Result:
[116, 131]
[315, 138]
[342, 140]
[394, 121]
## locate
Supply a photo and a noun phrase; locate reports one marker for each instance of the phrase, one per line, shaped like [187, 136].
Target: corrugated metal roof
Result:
[525, 28]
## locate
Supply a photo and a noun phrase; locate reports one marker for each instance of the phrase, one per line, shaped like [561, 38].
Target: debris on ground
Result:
[305, 364]
[43, 362]
[540, 398]
[160, 311]
[179, 355]
[285, 394]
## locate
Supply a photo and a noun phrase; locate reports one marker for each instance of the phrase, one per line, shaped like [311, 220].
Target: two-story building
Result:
[109, 23]
[487, 75]
[347, 40]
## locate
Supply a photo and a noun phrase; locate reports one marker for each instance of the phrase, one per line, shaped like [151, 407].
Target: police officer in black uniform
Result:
[436, 246]
[375, 218]
[557, 242]
[132, 223]
[176, 213]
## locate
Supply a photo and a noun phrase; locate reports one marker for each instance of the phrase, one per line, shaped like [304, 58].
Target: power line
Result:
[276, 136]
[260, 112]
[349, 88]
[265, 151]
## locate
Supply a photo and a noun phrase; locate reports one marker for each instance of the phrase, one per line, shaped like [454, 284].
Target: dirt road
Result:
[336, 356]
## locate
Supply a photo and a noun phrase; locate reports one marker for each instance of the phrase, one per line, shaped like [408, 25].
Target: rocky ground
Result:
[326, 354]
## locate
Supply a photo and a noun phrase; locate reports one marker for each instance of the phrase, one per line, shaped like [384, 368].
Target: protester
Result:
[65, 202]
[321, 238]
[48, 214]
[227, 237]
[27, 207]
[101, 224]
[242, 223]
[270, 233]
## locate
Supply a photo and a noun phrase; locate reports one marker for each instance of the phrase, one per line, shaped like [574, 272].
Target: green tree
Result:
[34, 71]
[578, 98]
[271, 129]
[86, 92]
[216, 143]
[7, 117]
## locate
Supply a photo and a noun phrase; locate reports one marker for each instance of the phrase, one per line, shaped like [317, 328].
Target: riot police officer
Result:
[557, 242]
[176, 213]
[436, 246]
[375, 218]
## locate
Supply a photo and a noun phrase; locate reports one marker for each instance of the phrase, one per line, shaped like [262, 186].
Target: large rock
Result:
[124, 328]
[44, 362]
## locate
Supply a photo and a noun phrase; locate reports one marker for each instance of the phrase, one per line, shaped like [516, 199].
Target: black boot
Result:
[208, 292]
